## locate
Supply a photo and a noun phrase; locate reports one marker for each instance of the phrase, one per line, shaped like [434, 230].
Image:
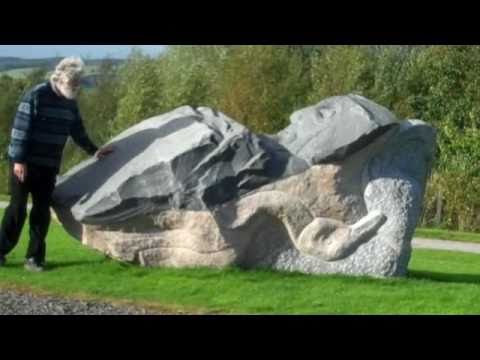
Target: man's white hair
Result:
[68, 69]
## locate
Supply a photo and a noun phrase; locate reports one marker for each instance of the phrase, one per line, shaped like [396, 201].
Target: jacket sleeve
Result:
[80, 137]
[21, 130]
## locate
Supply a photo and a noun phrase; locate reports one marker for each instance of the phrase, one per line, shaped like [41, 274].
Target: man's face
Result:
[69, 87]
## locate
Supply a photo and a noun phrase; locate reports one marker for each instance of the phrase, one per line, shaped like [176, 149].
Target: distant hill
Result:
[18, 67]
[13, 63]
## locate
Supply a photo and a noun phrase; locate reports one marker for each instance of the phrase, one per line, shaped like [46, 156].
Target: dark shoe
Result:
[3, 261]
[32, 266]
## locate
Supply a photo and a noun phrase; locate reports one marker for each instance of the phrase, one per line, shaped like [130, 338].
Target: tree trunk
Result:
[439, 209]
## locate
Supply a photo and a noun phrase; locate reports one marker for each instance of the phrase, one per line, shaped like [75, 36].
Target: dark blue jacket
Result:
[42, 125]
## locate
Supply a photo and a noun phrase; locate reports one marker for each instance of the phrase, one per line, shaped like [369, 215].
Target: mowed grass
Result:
[442, 234]
[439, 283]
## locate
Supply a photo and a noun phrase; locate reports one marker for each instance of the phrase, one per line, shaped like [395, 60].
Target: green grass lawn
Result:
[448, 235]
[439, 283]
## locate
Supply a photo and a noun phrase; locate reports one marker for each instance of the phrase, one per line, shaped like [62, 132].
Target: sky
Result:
[90, 51]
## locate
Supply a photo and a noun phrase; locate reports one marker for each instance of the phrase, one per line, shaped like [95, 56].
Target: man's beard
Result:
[68, 92]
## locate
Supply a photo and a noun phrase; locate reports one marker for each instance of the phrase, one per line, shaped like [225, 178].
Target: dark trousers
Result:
[40, 183]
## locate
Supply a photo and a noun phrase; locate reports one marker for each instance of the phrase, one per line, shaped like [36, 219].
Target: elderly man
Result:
[46, 116]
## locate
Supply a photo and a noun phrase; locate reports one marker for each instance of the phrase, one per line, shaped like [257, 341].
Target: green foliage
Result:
[188, 75]
[340, 70]
[444, 91]
[390, 88]
[257, 85]
[138, 93]
[262, 85]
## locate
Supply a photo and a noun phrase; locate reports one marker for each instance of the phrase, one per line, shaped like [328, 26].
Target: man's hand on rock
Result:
[104, 152]
[20, 171]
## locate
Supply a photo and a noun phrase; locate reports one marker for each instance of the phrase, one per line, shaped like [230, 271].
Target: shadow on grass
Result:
[445, 277]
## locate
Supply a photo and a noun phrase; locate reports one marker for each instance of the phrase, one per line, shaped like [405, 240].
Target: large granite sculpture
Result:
[338, 191]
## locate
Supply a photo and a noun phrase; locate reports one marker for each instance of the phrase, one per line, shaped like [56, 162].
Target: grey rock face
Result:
[335, 128]
[187, 159]
[392, 172]
[339, 192]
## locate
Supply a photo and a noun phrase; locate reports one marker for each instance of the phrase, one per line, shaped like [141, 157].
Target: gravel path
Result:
[446, 245]
[13, 303]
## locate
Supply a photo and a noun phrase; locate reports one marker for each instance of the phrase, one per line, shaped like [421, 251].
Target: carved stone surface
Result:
[338, 191]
